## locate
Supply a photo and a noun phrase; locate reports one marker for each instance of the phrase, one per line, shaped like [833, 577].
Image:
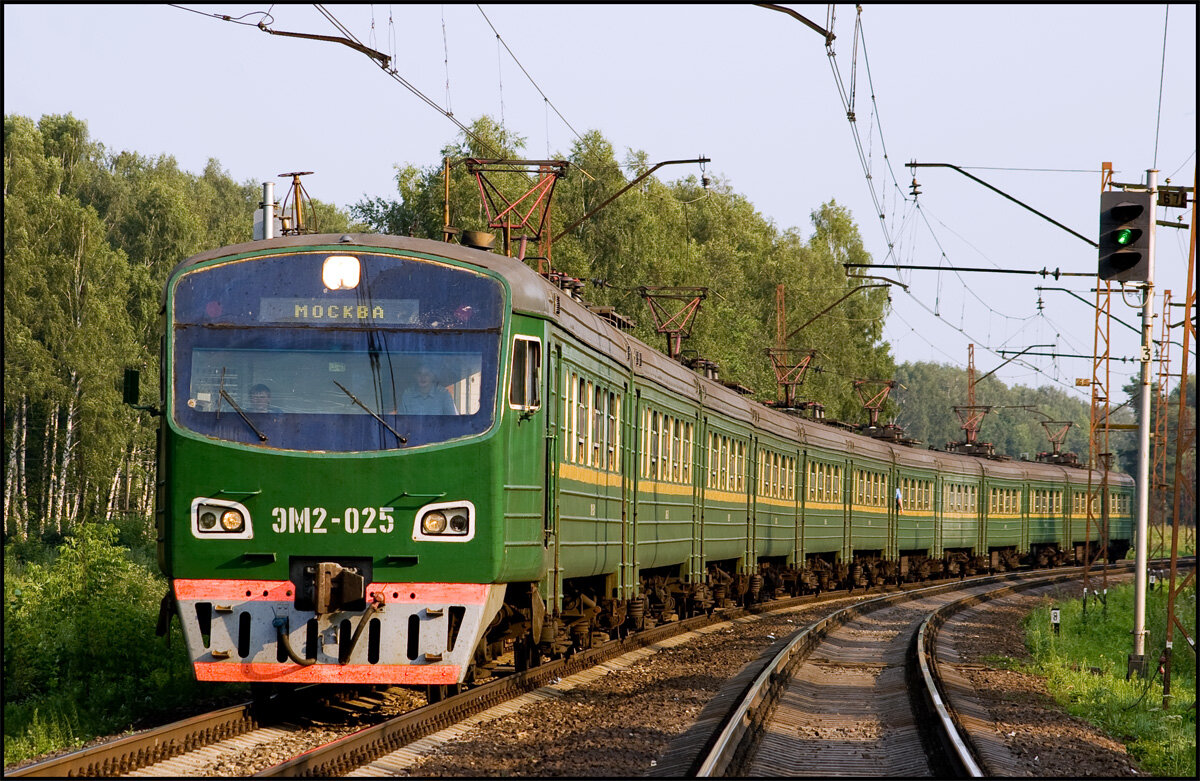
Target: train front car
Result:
[329, 464]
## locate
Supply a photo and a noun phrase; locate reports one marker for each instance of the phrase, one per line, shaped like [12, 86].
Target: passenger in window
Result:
[427, 397]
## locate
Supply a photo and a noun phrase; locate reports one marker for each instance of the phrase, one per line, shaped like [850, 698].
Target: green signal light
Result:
[1124, 236]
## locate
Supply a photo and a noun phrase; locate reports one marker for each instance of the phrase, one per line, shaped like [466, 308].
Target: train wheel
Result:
[526, 654]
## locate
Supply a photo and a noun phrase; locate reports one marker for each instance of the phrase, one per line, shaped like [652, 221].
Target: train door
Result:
[983, 514]
[1025, 508]
[752, 542]
[697, 569]
[553, 448]
[628, 443]
[891, 547]
[700, 491]
[937, 510]
[848, 519]
[633, 478]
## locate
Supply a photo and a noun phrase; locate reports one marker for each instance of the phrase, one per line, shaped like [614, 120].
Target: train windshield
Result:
[319, 351]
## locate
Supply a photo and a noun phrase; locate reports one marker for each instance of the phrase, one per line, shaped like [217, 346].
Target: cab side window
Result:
[524, 386]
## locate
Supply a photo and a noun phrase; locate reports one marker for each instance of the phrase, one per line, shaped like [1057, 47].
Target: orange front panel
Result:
[326, 673]
[282, 591]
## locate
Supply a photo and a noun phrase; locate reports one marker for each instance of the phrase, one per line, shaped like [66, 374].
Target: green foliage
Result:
[89, 239]
[929, 392]
[1125, 444]
[1085, 667]
[80, 654]
[676, 234]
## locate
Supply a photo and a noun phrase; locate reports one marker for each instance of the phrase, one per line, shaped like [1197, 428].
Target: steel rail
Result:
[347, 753]
[127, 754]
[960, 749]
[957, 745]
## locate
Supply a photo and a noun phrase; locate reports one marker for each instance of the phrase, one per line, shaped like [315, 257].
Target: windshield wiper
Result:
[384, 423]
[261, 436]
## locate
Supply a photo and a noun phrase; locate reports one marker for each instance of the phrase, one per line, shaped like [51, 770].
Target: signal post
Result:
[1127, 255]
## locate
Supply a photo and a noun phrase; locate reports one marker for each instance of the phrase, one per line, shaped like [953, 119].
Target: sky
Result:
[1032, 99]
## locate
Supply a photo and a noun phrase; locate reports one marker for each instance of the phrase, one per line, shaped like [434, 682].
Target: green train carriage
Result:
[345, 535]
[575, 484]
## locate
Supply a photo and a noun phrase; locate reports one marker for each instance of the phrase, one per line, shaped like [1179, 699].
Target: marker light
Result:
[341, 272]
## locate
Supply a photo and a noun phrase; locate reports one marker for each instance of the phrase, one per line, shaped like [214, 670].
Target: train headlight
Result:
[433, 523]
[445, 522]
[220, 519]
[341, 272]
[231, 521]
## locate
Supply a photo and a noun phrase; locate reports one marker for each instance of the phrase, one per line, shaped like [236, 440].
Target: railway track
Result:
[200, 741]
[859, 694]
[179, 748]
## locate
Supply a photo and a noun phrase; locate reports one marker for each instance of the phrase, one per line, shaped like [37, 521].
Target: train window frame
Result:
[722, 461]
[568, 415]
[688, 451]
[583, 431]
[655, 444]
[599, 428]
[525, 374]
[677, 450]
[257, 304]
[610, 437]
[664, 450]
[712, 460]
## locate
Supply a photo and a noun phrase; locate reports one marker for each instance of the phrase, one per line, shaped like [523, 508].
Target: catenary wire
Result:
[523, 70]
[847, 102]
[1161, 78]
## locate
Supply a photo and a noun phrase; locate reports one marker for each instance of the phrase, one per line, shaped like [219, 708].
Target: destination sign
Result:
[396, 311]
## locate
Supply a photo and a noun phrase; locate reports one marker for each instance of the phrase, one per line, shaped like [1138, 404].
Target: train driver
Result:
[260, 400]
[427, 397]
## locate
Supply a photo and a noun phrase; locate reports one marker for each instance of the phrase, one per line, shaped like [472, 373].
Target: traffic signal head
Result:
[1125, 223]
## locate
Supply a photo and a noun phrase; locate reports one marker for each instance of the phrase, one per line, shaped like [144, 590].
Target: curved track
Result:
[839, 699]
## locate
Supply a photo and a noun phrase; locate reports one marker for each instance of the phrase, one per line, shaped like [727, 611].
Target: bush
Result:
[80, 655]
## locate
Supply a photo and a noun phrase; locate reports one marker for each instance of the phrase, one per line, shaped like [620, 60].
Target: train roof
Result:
[533, 294]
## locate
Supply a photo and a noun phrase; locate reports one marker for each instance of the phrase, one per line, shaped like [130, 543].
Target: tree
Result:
[89, 240]
[677, 234]
[66, 301]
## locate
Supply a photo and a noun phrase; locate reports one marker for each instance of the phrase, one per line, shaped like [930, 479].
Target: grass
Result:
[1160, 541]
[1085, 668]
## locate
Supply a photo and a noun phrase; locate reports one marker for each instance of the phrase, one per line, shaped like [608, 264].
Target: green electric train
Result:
[396, 460]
